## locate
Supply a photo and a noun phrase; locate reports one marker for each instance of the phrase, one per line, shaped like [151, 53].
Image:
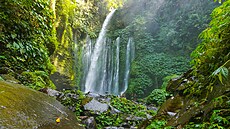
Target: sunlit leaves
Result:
[157, 124]
[214, 49]
[220, 1]
[114, 3]
[221, 72]
[157, 97]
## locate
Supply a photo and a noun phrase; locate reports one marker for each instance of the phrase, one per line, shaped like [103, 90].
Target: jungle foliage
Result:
[165, 33]
[204, 90]
[34, 31]
[213, 54]
[27, 37]
[159, 96]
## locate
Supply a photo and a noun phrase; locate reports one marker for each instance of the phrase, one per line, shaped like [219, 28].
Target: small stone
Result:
[149, 116]
[171, 113]
[83, 117]
[72, 108]
[114, 110]
[152, 108]
[3, 107]
[111, 127]
[94, 95]
[52, 92]
[90, 123]
[135, 118]
[132, 127]
[125, 125]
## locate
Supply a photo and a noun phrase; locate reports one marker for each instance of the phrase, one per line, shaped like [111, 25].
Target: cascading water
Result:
[108, 66]
[130, 50]
[93, 72]
[101, 63]
[116, 74]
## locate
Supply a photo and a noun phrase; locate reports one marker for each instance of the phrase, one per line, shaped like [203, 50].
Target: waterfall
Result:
[95, 65]
[116, 74]
[103, 67]
[106, 75]
[130, 50]
[101, 63]
[110, 68]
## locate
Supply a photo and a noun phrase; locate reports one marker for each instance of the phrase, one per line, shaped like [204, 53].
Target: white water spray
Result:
[116, 74]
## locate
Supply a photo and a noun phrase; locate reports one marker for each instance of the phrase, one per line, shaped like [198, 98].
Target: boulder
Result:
[96, 106]
[24, 108]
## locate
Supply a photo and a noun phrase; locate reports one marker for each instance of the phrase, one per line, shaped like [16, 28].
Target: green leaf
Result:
[220, 72]
[224, 72]
[15, 45]
[8, 45]
[13, 36]
[2, 57]
[220, 78]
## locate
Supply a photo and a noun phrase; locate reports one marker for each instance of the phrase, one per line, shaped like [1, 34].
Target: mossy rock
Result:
[24, 108]
[9, 78]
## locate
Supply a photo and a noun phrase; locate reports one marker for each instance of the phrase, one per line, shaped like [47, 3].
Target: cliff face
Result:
[74, 20]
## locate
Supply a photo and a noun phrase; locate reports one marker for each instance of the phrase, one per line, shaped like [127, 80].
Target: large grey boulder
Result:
[96, 106]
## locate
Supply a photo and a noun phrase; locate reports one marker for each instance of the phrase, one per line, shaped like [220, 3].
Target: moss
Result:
[86, 100]
[157, 97]
[1, 79]
[37, 80]
[9, 78]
